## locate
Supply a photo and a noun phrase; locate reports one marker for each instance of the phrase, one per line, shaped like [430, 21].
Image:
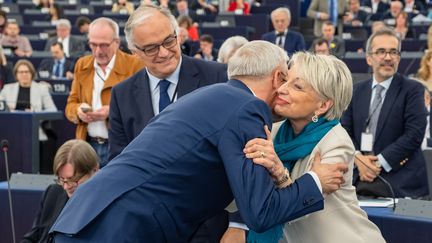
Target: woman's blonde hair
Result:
[423, 72]
[329, 77]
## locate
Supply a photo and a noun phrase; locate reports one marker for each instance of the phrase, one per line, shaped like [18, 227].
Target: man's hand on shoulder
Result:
[330, 175]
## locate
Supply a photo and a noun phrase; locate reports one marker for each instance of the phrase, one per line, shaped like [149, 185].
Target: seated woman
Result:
[75, 162]
[402, 27]
[317, 90]
[28, 95]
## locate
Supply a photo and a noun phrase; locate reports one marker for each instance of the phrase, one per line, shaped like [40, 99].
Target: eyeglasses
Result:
[23, 72]
[152, 50]
[102, 46]
[70, 183]
[381, 53]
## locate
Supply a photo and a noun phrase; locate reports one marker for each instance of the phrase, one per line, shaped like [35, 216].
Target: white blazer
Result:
[342, 220]
[40, 99]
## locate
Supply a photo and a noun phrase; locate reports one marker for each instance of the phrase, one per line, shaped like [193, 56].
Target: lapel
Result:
[389, 100]
[86, 74]
[365, 93]
[13, 97]
[34, 95]
[142, 94]
[188, 77]
[118, 71]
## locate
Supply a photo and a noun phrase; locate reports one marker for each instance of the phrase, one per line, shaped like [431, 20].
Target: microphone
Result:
[5, 148]
[383, 180]
[5, 145]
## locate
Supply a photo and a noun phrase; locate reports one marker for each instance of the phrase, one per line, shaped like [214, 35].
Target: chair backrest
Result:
[427, 153]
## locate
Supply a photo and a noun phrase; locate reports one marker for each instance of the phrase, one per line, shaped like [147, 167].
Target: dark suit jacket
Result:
[183, 168]
[76, 45]
[53, 201]
[382, 7]
[48, 64]
[294, 41]
[400, 131]
[337, 47]
[131, 103]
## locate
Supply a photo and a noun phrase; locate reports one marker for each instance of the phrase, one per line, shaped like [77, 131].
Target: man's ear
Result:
[276, 79]
[324, 107]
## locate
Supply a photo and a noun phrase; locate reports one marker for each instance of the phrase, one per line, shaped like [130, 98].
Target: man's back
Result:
[179, 171]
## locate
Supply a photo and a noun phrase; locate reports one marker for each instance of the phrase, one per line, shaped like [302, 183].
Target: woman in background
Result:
[74, 163]
[402, 26]
[425, 71]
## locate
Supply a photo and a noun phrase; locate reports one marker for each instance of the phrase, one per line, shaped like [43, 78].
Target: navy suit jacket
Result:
[382, 7]
[183, 168]
[400, 131]
[48, 64]
[294, 41]
[131, 103]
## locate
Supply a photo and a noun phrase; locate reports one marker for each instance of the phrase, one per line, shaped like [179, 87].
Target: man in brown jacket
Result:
[95, 75]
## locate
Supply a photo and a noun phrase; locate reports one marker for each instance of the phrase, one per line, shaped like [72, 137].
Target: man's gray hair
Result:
[282, 10]
[381, 32]
[140, 15]
[256, 59]
[328, 76]
[63, 23]
[111, 23]
[229, 46]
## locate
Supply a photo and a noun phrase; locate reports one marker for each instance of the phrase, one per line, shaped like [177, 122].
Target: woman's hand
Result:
[262, 152]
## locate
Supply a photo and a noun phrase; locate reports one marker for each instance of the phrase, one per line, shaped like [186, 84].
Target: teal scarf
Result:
[291, 148]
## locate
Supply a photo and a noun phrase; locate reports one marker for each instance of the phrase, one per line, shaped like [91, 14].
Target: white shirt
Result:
[99, 128]
[65, 43]
[154, 86]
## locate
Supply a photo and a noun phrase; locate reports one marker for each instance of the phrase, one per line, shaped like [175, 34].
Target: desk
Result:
[21, 129]
[399, 228]
[25, 206]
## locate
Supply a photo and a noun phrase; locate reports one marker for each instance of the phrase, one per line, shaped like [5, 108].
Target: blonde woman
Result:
[317, 90]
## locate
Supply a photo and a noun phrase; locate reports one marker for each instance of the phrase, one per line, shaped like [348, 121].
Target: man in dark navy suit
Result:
[386, 121]
[168, 76]
[58, 66]
[289, 40]
[188, 162]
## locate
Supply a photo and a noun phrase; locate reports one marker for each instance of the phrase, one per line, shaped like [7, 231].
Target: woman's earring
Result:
[315, 118]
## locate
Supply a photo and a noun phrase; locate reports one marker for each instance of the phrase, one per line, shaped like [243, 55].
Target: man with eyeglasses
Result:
[94, 76]
[386, 121]
[168, 76]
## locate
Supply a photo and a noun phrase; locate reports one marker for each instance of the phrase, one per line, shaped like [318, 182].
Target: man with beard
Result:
[386, 121]
[95, 75]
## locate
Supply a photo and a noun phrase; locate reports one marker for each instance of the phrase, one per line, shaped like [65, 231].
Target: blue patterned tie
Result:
[57, 69]
[375, 109]
[164, 99]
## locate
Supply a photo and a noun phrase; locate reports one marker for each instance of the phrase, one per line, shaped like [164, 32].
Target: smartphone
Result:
[86, 109]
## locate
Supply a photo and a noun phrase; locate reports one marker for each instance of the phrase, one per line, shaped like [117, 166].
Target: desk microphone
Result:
[383, 180]
[5, 148]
